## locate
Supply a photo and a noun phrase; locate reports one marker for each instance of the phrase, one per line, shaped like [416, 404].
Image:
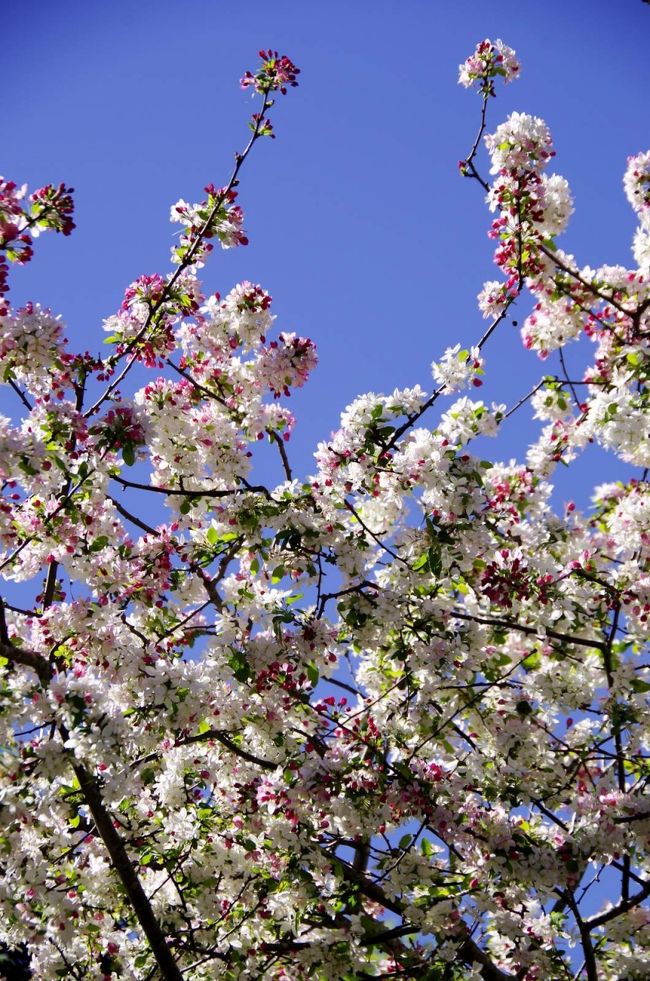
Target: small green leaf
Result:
[640, 686]
[99, 544]
[532, 661]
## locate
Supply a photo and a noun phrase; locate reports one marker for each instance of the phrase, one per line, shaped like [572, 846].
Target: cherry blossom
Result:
[385, 719]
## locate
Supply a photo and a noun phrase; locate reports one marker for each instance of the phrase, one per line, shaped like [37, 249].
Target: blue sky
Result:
[359, 224]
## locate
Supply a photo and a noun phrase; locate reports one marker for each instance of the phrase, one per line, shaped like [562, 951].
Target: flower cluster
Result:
[458, 368]
[637, 186]
[51, 208]
[151, 307]
[216, 216]
[532, 206]
[490, 60]
[274, 74]
[520, 145]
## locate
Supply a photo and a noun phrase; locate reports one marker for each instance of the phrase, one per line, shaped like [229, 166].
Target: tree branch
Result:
[124, 867]
[469, 950]
[106, 829]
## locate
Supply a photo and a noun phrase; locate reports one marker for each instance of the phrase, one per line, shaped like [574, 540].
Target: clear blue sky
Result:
[360, 227]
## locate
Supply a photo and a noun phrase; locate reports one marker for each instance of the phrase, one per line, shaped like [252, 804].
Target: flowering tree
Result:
[384, 721]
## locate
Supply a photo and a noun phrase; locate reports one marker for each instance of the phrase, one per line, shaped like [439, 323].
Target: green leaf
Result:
[532, 661]
[312, 674]
[128, 455]
[430, 561]
[640, 686]
[99, 544]
[239, 666]
[27, 468]
[420, 564]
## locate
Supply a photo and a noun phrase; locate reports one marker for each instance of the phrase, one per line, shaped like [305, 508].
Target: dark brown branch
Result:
[122, 864]
[525, 398]
[618, 739]
[585, 936]
[4, 632]
[623, 907]
[530, 631]
[218, 736]
[50, 584]
[192, 494]
[104, 823]
[357, 588]
[197, 385]
[575, 274]
[630, 818]
[132, 517]
[469, 951]
[469, 167]
[23, 612]
[374, 536]
[21, 395]
[225, 740]
[30, 659]
[277, 439]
